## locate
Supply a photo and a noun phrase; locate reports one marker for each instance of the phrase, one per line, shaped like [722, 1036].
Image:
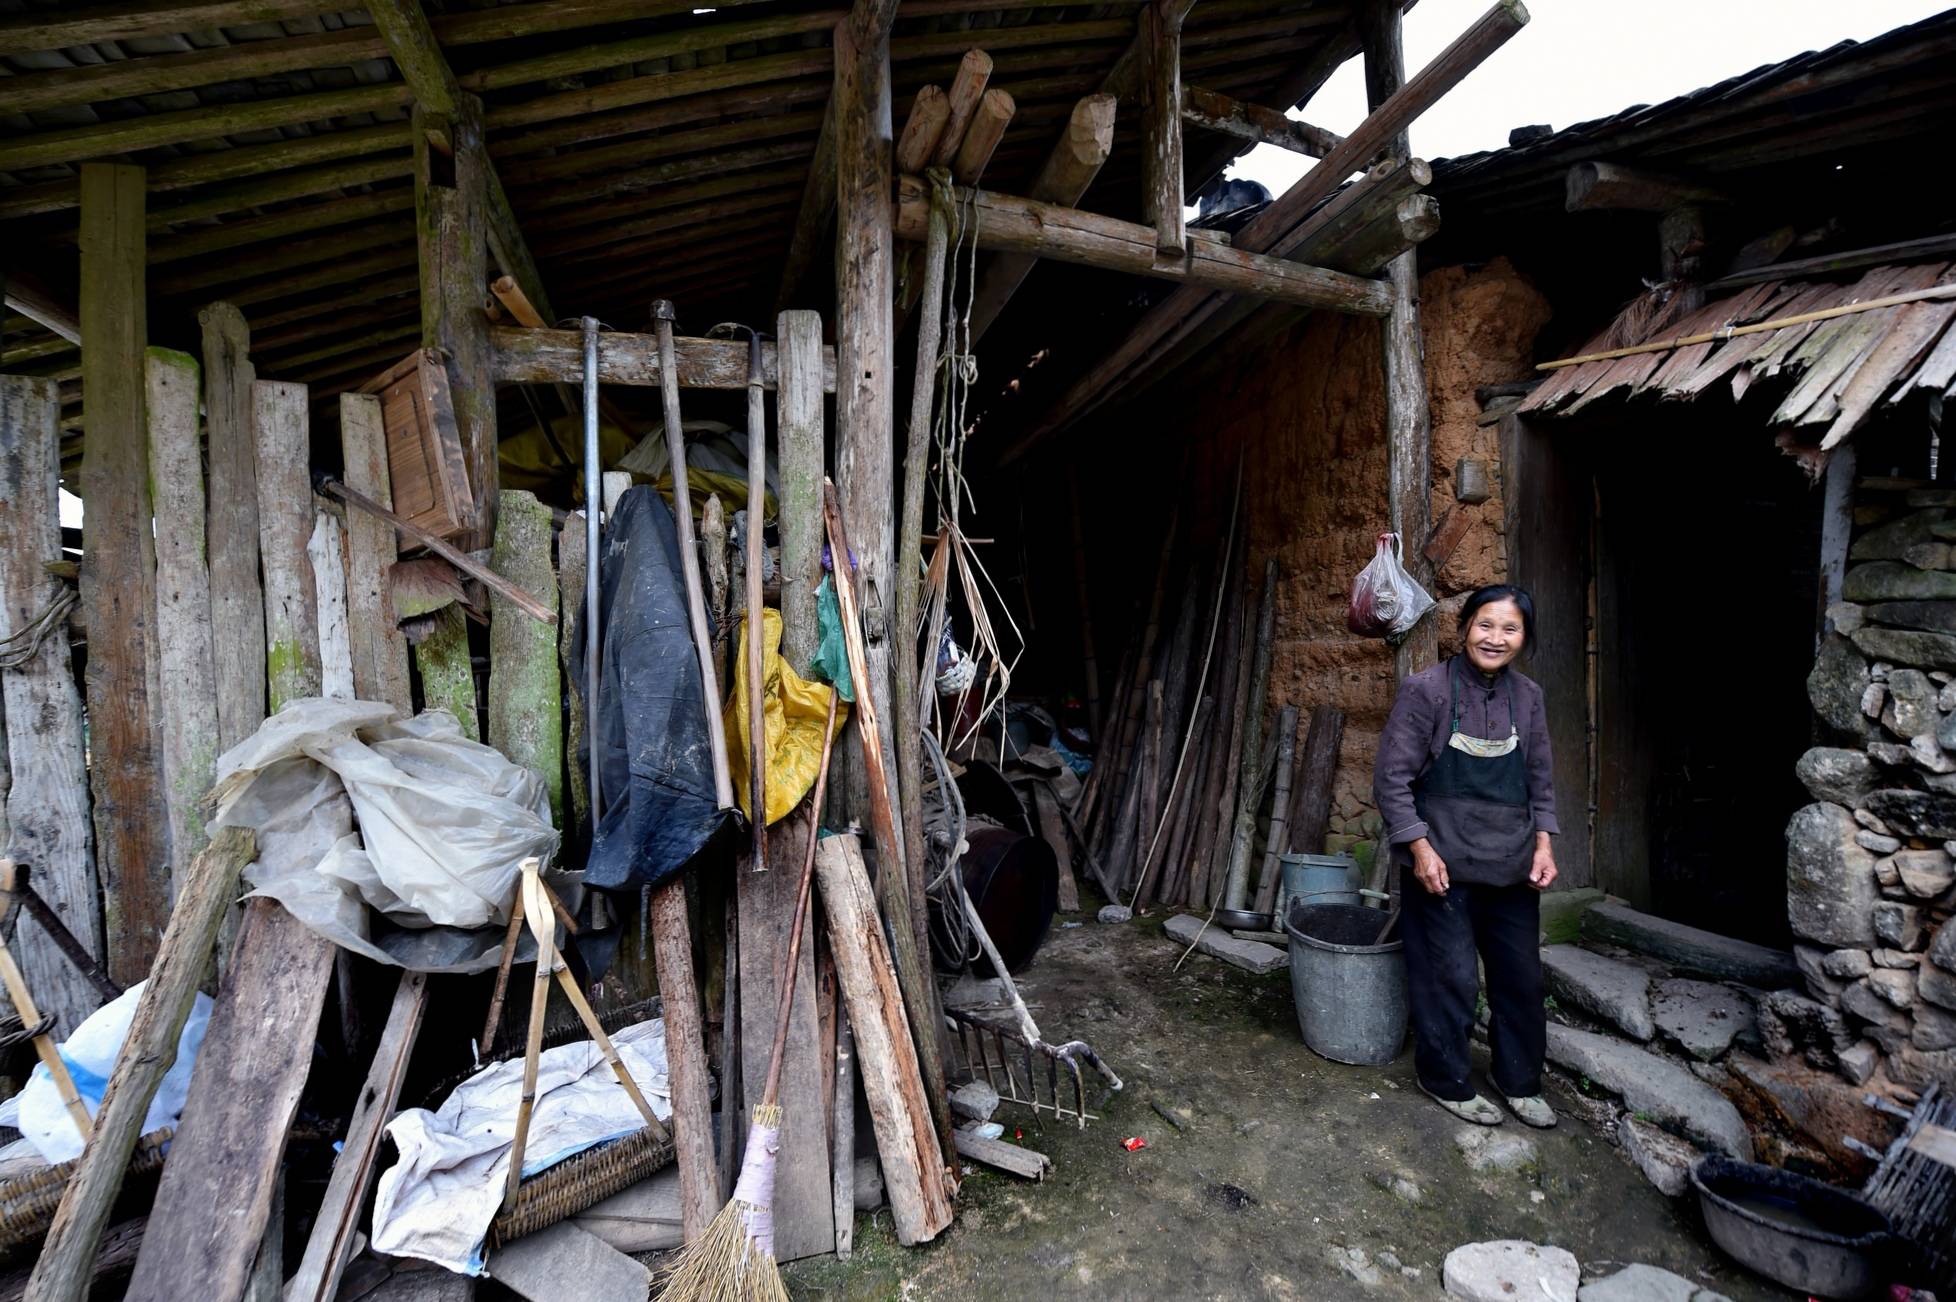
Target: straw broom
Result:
[733, 1261]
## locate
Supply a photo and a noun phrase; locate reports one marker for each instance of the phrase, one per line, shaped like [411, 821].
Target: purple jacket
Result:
[1420, 723]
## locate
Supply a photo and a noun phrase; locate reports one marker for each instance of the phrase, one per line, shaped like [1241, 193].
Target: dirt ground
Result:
[1295, 1178]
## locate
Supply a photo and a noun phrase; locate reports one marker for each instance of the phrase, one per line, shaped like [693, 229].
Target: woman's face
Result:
[1494, 635]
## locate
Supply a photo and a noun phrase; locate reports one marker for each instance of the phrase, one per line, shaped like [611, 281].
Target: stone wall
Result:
[1305, 410]
[1871, 865]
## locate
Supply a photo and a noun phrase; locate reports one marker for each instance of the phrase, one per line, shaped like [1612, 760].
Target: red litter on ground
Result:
[1133, 1143]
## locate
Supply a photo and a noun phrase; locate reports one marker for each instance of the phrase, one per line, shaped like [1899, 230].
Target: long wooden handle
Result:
[785, 981]
[689, 563]
[528, 604]
[50, 1057]
[756, 676]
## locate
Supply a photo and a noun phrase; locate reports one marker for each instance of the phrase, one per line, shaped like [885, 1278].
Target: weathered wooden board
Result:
[231, 527]
[800, 452]
[118, 575]
[285, 524]
[804, 1220]
[525, 356]
[326, 550]
[47, 802]
[380, 659]
[186, 676]
[525, 683]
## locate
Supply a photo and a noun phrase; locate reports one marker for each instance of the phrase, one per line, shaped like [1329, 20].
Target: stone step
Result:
[1688, 949]
[1607, 989]
[1660, 1089]
[1249, 955]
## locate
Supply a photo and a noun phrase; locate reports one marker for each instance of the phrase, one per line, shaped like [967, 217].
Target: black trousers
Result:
[1442, 934]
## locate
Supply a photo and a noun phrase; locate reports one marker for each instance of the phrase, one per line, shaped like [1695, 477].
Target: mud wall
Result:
[1304, 408]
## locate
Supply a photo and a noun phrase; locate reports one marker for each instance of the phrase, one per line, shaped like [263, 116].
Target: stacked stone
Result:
[1871, 866]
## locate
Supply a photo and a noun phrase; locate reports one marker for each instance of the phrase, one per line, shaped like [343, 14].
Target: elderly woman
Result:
[1463, 781]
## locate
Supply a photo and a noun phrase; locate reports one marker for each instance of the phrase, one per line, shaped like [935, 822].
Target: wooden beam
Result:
[1215, 111]
[285, 516]
[153, 74]
[525, 356]
[988, 126]
[961, 104]
[1601, 186]
[450, 211]
[1076, 159]
[1162, 190]
[149, 131]
[28, 297]
[68, 25]
[118, 577]
[380, 653]
[1278, 229]
[1069, 235]
[525, 686]
[231, 526]
[41, 709]
[417, 55]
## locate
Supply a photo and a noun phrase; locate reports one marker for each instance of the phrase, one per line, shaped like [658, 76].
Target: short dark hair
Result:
[1502, 592]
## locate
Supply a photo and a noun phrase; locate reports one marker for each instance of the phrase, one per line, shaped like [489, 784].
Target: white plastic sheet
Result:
[90, 1053]
[443, 826]
[437, 1202]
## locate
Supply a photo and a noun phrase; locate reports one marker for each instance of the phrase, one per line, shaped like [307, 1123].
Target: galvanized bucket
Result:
[1316, 879]
[1350, 993]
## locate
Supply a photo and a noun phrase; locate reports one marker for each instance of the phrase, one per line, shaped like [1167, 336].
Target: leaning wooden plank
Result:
[186, 680]
[47, 802]
[913, 1164]
[118, 577]
[524, 356]
[1070, 235]
[285, 524]
[525, 684]
[380, 659]
[231, 526]
[149, 1051]
[326, 550]
[338, 1222]
[1006, 1157]
[1053, 832]
[799, 421]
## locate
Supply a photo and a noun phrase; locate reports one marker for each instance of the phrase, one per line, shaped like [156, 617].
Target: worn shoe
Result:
[1533, 1111]
[1477, 1109]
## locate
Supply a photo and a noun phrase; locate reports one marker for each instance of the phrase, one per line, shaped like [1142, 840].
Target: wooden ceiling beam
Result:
[57, 28]
[1602, 186]
[1214, 111]
[281, 225]
[33, 300]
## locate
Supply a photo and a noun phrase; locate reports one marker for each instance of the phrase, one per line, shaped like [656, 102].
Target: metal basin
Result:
[1809, 1236]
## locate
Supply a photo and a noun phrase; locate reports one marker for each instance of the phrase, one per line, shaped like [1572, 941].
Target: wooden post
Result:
[231, 526]
[798, 420]
[450, 203]
[47, 803]
[380, 659]
[961, 105]
[186, 678]
[1164, 159]
[525, 685]
[922, 129]
[326, 551]
[987, 128]
[908, 718]
[118, 574]
[148, 1053]
[1249, 783]
[899, 1111]
[285, 522]
[1409, 421]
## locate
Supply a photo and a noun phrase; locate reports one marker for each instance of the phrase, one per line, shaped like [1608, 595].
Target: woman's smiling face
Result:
[1495, 635]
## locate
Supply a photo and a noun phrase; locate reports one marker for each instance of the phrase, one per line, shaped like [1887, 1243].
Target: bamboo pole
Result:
[755, 550]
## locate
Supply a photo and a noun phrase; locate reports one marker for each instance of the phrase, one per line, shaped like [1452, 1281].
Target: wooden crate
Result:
[428, 474]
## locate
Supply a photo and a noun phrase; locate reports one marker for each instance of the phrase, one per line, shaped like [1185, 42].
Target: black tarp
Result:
[659, 815]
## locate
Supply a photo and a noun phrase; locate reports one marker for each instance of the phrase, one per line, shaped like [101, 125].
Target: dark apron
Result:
[1476, 806]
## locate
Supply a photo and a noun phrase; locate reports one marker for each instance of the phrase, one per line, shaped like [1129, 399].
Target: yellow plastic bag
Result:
[794, 710]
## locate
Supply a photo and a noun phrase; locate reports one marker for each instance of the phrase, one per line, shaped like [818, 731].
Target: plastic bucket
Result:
[1316, 879]
[1350, 993]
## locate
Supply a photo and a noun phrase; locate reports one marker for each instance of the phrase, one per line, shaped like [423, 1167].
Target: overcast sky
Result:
[1583, 59]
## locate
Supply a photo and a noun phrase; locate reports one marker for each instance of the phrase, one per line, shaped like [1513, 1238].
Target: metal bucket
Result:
[1350, 993]
[1316, 879]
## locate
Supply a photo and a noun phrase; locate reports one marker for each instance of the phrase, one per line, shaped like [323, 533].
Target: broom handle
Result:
[785, 982]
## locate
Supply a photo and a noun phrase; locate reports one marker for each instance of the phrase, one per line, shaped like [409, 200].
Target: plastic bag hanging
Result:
[1386, 602]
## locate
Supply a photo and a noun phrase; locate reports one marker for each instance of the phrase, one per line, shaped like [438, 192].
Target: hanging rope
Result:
[24, 644]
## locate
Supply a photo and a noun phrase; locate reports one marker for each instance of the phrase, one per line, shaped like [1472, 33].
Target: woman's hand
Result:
[1542, 874]
[1430, 868]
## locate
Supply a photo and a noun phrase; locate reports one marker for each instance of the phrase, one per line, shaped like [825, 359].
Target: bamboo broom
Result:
[733, 1260]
